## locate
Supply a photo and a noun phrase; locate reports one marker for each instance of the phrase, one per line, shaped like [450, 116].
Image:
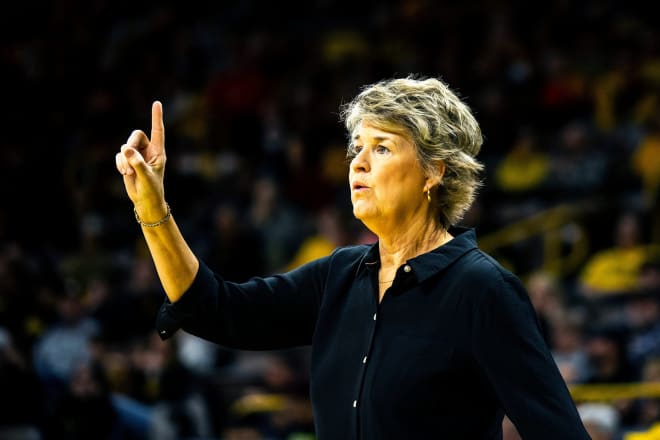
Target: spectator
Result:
[280, 225]
[234, 245]
[568, 348]
[601, 420]
[548, 300]
[20, 400]
[330, 234]
[616, 270]
[85, 409]
[578, 168]
[524, 168]
[605, 349]
[649, 408]
[646, 161]
[643, 317]
[64, 347]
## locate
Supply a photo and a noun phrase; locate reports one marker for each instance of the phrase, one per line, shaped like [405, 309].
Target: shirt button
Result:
[364, 361]
[355, 404]
[407, 268]
[375, 316]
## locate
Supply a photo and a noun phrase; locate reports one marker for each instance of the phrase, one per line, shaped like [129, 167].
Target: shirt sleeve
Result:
[261, 314]
[511, 352]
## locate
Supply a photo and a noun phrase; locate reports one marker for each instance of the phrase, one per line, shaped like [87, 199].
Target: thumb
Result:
[135, 160]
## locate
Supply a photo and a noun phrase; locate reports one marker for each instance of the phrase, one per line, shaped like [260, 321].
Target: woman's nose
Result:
[360, 162]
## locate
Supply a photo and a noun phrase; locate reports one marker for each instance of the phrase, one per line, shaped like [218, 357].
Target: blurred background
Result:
[568, 97]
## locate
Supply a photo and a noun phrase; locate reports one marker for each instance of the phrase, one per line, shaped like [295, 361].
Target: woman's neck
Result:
[409, 242]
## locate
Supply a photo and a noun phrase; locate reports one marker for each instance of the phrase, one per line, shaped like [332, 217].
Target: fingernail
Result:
[128, 152]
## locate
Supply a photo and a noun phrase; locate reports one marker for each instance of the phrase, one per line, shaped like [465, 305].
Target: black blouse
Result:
[453, 345]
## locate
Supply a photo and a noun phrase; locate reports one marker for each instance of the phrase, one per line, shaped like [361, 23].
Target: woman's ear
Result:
[435, 179]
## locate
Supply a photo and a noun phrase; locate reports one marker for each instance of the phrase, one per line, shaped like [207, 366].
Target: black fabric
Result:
[453, 345]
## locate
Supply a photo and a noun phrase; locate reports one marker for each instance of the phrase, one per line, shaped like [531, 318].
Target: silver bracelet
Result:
[158, 223]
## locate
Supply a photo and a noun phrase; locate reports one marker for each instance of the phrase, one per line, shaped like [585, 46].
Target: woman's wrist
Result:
[153, 215]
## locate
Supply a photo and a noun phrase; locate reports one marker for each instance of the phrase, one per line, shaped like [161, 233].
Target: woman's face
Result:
[386, 179]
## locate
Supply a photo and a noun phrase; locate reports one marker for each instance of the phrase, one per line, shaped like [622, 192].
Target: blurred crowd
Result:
[568, 97]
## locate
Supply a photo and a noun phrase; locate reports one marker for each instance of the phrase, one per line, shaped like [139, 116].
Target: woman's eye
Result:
[382, 150]
[357, 149]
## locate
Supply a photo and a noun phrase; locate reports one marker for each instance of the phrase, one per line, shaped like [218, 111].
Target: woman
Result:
[419, 336]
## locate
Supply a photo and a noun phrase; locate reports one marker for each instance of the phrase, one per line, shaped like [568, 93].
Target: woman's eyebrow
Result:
[375, 138]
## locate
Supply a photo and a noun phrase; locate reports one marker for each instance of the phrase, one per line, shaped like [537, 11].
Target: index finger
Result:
[157, 126]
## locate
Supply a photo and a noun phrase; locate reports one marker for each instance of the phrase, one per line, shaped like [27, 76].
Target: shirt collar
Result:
[430, 263]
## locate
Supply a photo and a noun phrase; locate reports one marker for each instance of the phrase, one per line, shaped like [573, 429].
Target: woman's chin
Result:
[362, 212]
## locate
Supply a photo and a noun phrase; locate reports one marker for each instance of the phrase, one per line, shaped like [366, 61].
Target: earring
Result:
[428, 195]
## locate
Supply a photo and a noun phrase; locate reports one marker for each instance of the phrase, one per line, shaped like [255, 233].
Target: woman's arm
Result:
[175, 263]
[142, 164]
[510, 350]
[261, 314]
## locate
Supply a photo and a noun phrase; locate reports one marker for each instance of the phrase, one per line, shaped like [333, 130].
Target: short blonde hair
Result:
[441, 127]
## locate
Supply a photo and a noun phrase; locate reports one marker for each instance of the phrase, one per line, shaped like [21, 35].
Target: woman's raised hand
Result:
[141, 161]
